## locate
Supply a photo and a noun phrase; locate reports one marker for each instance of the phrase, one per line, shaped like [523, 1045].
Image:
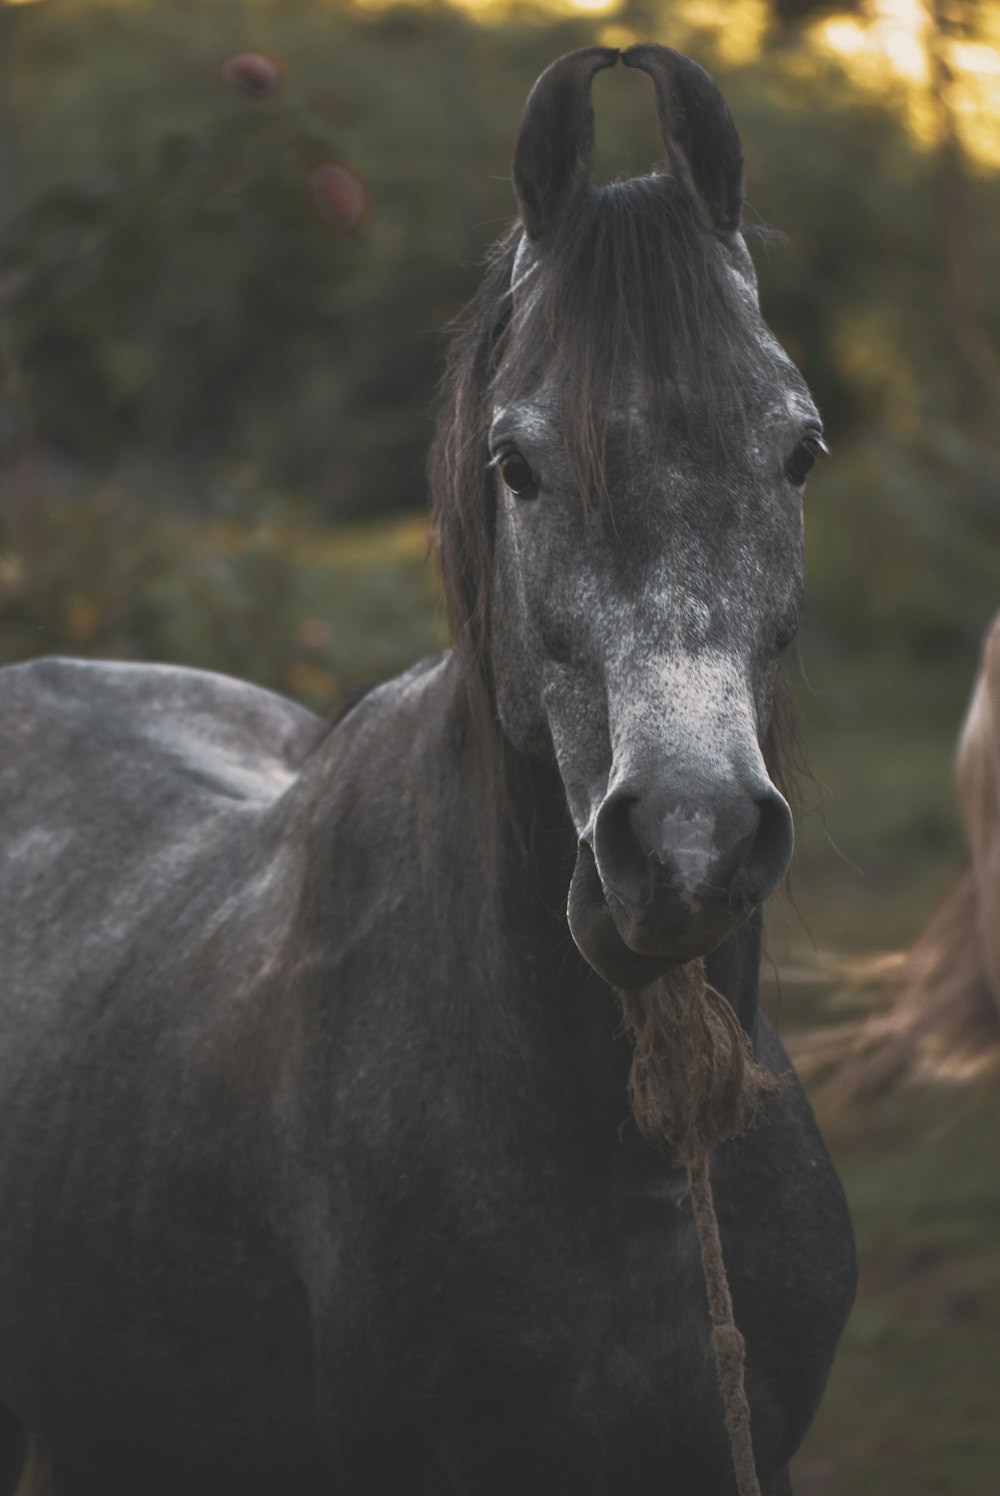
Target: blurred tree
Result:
[6, 144]
[792, 13]
[168, 313]
[183, 312]
[188, 322]
[948, 19]
[18, 433]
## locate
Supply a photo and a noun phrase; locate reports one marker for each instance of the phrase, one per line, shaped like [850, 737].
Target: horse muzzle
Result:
[659, 882]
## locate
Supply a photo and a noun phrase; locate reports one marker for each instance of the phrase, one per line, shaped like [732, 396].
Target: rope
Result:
[728, 1343]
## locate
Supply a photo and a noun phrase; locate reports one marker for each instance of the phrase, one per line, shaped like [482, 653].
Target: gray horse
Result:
[317, 1170]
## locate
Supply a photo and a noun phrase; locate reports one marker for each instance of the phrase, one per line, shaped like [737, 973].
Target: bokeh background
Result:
[222, 299]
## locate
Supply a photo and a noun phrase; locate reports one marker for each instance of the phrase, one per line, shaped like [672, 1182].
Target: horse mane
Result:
[635, 305]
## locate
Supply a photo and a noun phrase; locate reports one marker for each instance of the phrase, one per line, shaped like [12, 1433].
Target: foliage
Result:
[197, 315]
[187, 325]
[182, 309]
[188, 328]
[904, 540]
[310, 614]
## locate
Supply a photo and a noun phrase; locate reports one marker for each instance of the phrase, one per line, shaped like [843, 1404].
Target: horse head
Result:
[646, 442]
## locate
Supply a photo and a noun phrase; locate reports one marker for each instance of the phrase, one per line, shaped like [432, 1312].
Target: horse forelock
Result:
[634, 308]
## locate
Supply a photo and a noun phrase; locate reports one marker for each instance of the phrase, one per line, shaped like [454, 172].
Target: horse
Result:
[318, 1172]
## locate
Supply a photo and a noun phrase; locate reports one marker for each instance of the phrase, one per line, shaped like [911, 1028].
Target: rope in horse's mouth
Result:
[695, 1082]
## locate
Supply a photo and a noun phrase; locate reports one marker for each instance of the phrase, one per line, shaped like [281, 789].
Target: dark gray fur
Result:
[316, 1173]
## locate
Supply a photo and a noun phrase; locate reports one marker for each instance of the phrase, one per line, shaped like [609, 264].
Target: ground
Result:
[912, 1405]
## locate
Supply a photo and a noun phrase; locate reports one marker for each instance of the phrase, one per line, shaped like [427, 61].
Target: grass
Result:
[911, 1409]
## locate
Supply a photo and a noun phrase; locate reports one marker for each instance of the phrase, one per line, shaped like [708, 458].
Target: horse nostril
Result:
[643, 849]
[770, 851]
[621, 856]
[731, 845]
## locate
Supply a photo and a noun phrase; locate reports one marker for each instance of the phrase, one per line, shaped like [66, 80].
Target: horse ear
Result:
[556, 140]
[703, 146]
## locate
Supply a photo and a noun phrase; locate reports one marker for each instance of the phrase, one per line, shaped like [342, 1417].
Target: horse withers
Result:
[317, 1168]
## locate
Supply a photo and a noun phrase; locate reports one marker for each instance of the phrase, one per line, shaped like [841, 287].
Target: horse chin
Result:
[601, 943]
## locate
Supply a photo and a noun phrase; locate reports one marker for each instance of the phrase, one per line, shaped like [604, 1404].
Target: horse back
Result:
[122, 784]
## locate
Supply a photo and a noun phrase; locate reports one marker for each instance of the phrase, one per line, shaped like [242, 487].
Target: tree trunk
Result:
[953, 211]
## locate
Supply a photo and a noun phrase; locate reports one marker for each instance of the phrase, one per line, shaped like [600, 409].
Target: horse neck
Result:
[494, 850]
[525, 852]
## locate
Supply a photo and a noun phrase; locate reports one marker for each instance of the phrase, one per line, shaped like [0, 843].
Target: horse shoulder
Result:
[122, 789]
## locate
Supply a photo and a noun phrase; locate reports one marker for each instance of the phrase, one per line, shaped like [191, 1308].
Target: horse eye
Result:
[803, 459]
[518, 476]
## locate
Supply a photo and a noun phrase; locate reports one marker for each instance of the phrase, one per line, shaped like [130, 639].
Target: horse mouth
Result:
[600, 942]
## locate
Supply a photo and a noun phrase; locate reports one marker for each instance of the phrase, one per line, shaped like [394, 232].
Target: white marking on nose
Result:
[692, 709]
[690, 841]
